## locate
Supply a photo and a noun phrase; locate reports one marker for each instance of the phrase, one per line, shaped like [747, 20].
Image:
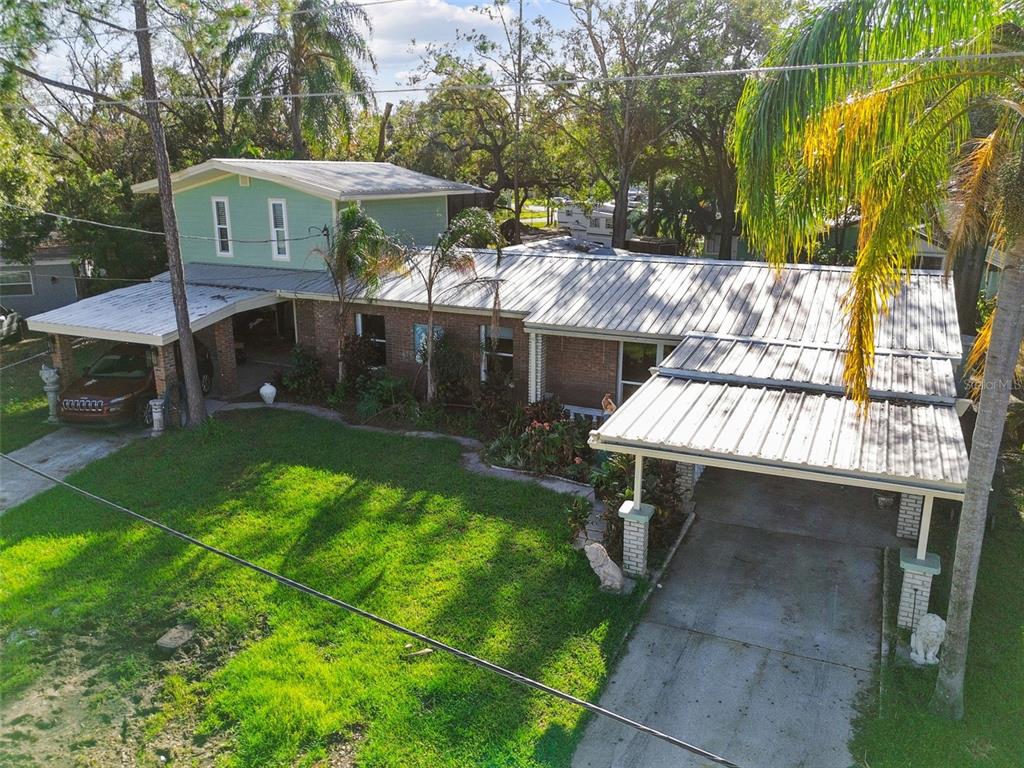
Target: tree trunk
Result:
[193, 389]
[1007, 333]
[727, 205]
[967, 271]
[429, 353]
[299, 149]
[650, 226]
[620, 219]
[383, 135]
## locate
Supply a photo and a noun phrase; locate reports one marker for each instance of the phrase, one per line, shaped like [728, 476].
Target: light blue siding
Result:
[416, 221]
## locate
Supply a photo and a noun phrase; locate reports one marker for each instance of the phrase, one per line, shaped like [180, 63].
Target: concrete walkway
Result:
[764, 632]
[59, 453]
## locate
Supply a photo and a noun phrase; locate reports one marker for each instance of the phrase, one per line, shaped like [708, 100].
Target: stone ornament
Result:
[268, 392]
[51, 386]
[50, 376]
[927, 639]
[607, 571]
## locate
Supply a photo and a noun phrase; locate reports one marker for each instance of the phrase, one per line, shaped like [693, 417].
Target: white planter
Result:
[268, 392]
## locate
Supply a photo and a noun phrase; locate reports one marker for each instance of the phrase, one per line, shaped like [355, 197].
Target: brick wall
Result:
[580, 371]
[63, 356]
[914, 595]
[908, 522]
[165, 370]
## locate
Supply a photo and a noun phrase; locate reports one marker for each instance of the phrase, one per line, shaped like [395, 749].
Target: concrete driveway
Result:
[764, 632]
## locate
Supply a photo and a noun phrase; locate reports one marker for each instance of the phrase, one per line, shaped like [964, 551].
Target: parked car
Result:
[11, 324]
[117, 388]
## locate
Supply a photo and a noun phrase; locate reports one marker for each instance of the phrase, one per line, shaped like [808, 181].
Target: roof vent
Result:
[243, 181]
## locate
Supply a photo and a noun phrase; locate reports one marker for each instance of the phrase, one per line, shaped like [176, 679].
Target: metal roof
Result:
[144, 313]
[337, 180]
[765, 362]
[608, 293]
[898, 445]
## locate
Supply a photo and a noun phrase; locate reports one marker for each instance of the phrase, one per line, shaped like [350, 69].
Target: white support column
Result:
[636, 521]
[537, 377]
[926, 524]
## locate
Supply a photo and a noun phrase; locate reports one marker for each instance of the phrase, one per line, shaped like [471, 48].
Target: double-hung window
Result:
[372, 328]
[16, 282]
[496, 355]
[636, 358]
[222, 226]
[278, 230]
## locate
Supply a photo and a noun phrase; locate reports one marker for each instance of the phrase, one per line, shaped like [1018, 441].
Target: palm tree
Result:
[897, 142]
[452, 253]
[318, 47]
[359, 256]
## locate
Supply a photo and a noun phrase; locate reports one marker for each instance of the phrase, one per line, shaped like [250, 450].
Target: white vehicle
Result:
[594, 226]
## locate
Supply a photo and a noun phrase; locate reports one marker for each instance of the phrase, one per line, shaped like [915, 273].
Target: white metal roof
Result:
[608, 293]
[144, 313]
[759, 361]
[337, 180]
[810, 434]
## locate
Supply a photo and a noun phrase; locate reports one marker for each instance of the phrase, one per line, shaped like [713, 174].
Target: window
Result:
[636, 360]
[419, 339]
[278, 230]
[608, 223]
[222, 226]
[16, 282]
[595, 222]
[371, 327]
[496, 357]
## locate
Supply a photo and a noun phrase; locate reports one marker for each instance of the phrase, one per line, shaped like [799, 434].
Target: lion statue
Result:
[927, 639]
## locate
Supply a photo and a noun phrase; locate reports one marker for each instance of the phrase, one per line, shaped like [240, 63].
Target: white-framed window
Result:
[636, 358]
[372, 327]
[278, 229]
[419, 339]
[221, 225]
[16, 282]
[496, 354]
[595, 222]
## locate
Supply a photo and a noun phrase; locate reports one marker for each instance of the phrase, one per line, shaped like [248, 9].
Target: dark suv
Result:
[117, 388]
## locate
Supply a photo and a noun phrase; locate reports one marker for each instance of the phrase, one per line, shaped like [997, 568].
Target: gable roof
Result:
[331, 179]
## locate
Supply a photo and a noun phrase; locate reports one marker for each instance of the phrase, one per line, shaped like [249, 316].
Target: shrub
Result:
[305, 379]
[453, 370]
[558, 446]
[497, 409]
[578, 512]
[379, 392]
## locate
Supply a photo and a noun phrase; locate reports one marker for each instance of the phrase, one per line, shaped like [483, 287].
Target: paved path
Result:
[764, 633]
[59, 453]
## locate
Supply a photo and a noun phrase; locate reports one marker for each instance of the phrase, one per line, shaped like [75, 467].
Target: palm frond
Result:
[975, 182]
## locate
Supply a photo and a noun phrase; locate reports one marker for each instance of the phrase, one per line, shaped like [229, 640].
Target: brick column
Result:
[62, 354]
[537, 375]
[165, 368]
[226, 371]
[908, 524]
[917, 586]
[636, 521]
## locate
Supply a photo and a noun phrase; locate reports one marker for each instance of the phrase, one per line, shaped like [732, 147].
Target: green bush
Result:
[453, 369]
[305, 379]
[556, 446]
[578, 512]
[379, 392]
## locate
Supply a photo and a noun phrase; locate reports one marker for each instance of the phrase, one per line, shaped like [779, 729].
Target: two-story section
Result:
[279, 213]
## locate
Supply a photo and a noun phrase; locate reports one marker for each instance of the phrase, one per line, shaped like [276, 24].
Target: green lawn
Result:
[392, 524]
[992, 733]
[23, 409]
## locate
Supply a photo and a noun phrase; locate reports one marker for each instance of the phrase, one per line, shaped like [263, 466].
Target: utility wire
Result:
[91, 222]
[568, 81]
[439, 645]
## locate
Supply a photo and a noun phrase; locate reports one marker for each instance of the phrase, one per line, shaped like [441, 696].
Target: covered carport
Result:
[144, 314]
[780, 409]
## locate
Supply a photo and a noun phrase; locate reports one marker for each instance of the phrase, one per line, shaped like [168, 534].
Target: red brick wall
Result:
[165, 369]
[580, 371]
[63, 356]
[225, 370]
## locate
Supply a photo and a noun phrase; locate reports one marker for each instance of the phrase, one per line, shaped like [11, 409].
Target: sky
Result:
[402, 31]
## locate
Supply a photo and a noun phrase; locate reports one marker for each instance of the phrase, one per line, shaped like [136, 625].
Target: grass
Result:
[991, 734]
[23, 408]
[393, 524]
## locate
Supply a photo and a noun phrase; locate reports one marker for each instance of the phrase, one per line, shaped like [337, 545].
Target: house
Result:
[47, 282]
[732, 364]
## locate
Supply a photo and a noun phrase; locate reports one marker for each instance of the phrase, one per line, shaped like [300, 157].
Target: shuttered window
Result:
[278, 230]
[222, 226]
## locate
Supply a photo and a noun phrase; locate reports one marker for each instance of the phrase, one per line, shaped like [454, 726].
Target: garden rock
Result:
[173, 639]
[607, 571]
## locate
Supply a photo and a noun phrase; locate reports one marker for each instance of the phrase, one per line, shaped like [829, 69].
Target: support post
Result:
[638, 479]
[908, 521]
[636, 523]
[926, 523]
[917, 586]
[537, 377]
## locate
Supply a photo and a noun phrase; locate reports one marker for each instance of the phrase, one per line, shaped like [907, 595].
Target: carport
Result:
[144, 314]
[779, 409]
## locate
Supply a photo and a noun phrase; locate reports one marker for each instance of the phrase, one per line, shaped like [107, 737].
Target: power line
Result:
[568, 81]
[439, 645]
[137, 230]
[245, 17]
